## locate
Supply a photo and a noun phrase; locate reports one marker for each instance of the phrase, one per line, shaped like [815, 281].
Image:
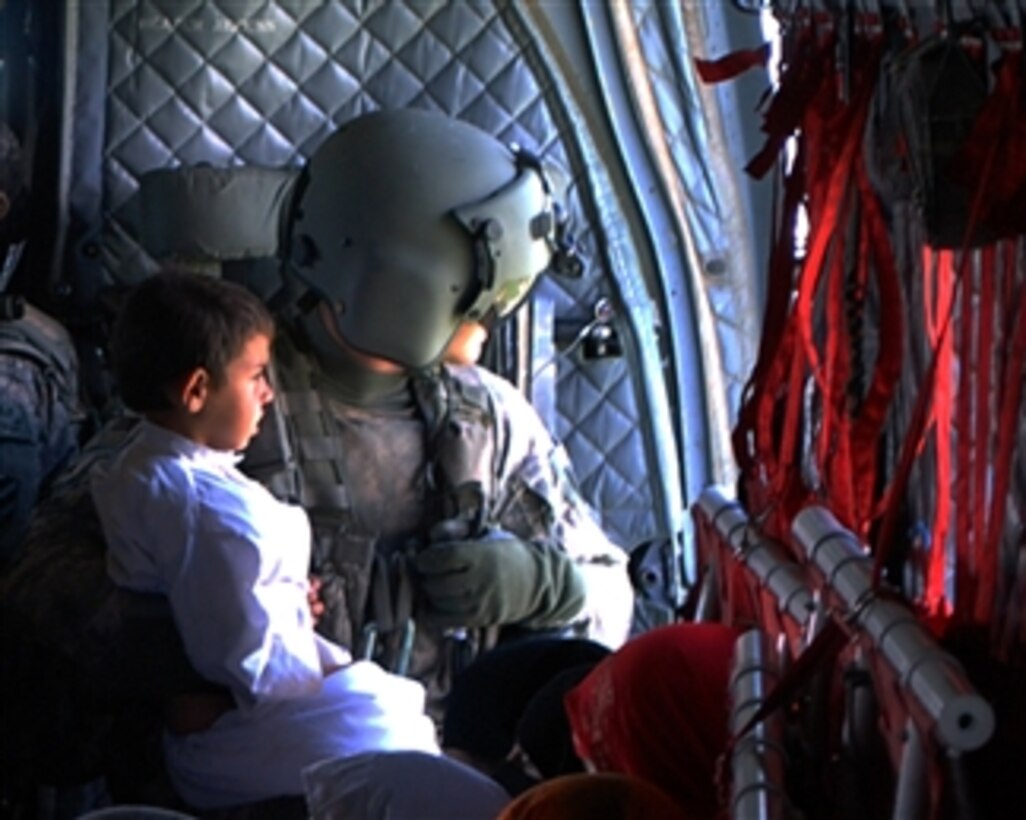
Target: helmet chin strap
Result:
[375, 364]
[348, 375]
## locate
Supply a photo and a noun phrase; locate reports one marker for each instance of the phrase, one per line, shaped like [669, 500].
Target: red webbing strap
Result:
[1010, 390]
[755, 436]
[731, 65]
[778, 485]
[835, 203]
[770, 490]
[832, 442]
[938, 293]
[983, 418]
[891, 501]
[786, 485]
[869, 420]
[832, 133]
[778, 301]
[963, 487]
[808, 63]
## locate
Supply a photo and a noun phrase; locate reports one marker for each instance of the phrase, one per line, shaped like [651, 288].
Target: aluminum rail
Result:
[758, 760]
[766, 559]
[961, 719]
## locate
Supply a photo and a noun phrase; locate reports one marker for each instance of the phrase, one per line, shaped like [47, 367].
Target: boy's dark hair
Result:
[174, 322]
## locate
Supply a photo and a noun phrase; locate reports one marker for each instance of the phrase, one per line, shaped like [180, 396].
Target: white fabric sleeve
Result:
[242, 609]
[232, 561]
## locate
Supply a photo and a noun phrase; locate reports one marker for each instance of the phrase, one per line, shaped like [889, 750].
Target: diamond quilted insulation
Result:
[165, 83]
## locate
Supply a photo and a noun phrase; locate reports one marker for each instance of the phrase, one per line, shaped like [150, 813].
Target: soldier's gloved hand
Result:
[499, 579]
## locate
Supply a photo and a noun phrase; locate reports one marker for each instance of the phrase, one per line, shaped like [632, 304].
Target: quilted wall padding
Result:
[163, 83]
[689, 124]
[681, 145]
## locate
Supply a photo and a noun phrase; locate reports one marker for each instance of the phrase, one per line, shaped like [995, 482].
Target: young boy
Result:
[191, 355]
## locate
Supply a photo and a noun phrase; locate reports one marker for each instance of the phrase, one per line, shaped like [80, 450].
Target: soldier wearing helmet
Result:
[446, 517]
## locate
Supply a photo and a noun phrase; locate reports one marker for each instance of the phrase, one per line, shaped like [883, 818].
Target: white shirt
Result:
[180, 520]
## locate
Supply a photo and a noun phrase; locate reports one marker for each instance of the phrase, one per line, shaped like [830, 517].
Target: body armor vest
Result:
[374, 484]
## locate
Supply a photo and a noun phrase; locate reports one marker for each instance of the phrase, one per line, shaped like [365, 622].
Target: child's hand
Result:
[313, 597]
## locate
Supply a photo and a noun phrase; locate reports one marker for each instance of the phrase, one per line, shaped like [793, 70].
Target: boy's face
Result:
[228, 415]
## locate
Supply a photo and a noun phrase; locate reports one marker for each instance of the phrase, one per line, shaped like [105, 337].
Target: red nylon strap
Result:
[869, 421]
[832, 134]
[731, 65]
[890, 503]
[798, 86]
[832, 444]
[1013, 373]
[835, 202]
[778, 300]
[982, 450]
[938, 295]
[964, 487]
[757, 438]
[819, 654]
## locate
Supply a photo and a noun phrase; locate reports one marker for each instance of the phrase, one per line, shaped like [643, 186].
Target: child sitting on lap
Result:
[191, 355]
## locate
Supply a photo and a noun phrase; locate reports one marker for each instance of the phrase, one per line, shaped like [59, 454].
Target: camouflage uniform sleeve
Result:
[538, 498]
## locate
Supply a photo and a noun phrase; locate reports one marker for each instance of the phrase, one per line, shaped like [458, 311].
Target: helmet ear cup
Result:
[420, 222]
[513, 238]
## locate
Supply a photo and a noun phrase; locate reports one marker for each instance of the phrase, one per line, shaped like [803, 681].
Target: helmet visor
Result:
[513, 233]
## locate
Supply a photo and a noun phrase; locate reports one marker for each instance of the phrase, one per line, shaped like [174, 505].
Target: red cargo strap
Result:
[891, 502]
[810, 62]
[981, 437]
[964, 486]
[778, 302]
[731, 65]
[869, 420]
[835, 204]
[938, 293]
[1013, 373]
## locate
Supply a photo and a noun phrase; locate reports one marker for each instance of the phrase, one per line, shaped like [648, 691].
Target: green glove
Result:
[499, 579]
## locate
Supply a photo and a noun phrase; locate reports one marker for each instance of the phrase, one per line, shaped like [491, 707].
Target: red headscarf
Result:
[658, 709]
[587, 796]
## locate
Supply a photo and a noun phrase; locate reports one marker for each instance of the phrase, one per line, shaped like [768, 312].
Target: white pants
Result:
[256, 753]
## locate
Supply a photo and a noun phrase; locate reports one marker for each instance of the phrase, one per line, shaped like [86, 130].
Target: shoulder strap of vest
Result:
[298, 456]
[460, 418]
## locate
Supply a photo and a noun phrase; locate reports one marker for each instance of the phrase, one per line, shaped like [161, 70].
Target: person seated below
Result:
[590, 796]
[543, 743]
[658, 709]
[400, 786]
[489, 698]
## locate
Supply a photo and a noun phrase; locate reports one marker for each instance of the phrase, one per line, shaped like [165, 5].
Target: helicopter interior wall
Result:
[167, 84]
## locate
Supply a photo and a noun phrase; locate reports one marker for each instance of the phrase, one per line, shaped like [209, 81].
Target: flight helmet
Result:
[408, 222]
